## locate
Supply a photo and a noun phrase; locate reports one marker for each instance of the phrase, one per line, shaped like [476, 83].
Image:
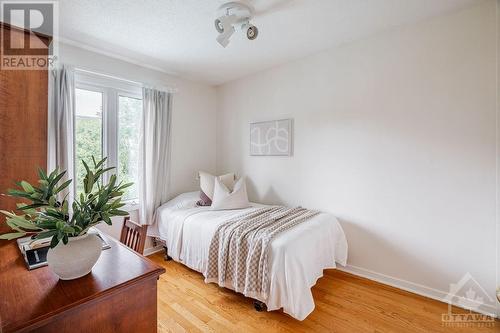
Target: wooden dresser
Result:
[23, 123]
[119, 295]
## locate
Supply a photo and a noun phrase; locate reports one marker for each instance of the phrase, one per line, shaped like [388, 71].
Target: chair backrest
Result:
[133, 235]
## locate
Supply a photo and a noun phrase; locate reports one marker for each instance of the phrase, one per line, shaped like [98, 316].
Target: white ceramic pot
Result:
[76, 258]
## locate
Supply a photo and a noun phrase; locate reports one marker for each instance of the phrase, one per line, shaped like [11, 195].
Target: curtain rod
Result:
[142, 84]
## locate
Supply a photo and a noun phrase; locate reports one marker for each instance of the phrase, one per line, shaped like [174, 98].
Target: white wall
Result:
[193, 118]
[395, 135]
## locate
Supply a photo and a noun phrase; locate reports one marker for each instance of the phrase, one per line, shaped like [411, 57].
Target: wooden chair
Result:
[133, 235]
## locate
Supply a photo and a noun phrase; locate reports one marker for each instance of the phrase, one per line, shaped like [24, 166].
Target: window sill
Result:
[131, 206]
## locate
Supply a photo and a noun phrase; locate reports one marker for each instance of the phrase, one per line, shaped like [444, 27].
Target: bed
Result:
[296, 260]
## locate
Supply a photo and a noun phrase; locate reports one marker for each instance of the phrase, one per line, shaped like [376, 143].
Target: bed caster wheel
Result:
[259, 306]
[166, 257]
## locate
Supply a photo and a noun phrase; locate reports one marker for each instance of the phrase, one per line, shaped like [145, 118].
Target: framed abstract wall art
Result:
[271, 138]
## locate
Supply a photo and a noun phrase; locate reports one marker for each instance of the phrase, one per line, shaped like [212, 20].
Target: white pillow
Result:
[225, 199]
[207, 183]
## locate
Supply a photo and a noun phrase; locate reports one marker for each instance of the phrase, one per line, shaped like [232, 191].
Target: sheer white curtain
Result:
[155, 152]
[61, 117]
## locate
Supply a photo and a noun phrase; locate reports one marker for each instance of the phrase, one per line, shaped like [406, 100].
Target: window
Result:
[107, 123]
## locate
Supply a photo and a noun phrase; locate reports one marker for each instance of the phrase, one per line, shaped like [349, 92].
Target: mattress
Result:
[297, 256]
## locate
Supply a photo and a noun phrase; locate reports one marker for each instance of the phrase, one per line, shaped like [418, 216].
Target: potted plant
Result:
[73, 250]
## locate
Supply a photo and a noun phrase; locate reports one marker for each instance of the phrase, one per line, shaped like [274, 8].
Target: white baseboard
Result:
[150, 250]
[410, 287]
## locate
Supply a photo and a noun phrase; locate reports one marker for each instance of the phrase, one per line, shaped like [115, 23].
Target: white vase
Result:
[76, 258]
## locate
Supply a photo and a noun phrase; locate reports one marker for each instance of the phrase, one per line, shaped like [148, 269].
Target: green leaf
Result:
[126, 185]
[86, 166]
[58, 177]
[112, 181]
[65, 208]
[13, 226]
[63, 186]
[53, 211]
[118, 204]
[20, 194]
[101, 162]
[89, 181]
[52, 175]
[69, 230]
[21, 222]
[26, 208]
[54, 241]
[46, 234]
[102, 171]
[43, 182]
[42, 174]
[47, 224]
[12, 235]
[36, 196]
[27, 187]
[105, 217]
[59, 225]
[117, 212]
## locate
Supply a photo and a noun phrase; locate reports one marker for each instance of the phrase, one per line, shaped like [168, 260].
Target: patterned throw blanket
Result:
[238, 251]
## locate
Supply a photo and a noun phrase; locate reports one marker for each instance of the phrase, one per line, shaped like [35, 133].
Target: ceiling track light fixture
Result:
[234, 15]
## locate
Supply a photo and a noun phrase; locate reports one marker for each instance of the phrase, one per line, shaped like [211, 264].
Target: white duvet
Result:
[297, 258]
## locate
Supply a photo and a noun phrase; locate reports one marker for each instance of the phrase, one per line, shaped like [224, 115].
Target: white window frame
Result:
[111, 90]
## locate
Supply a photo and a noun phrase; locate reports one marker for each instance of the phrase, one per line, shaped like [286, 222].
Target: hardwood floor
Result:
[344, 303]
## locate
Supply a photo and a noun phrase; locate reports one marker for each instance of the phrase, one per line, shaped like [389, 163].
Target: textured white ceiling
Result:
[178, 36]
